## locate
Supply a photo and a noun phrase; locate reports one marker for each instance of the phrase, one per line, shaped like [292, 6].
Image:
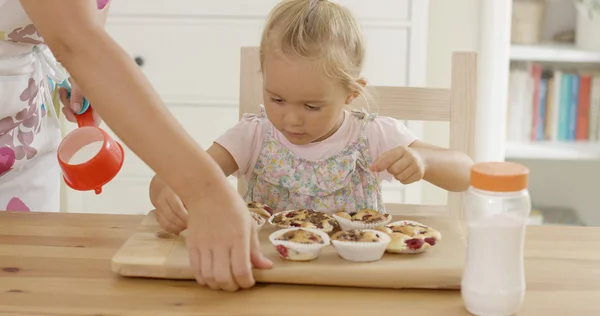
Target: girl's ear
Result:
[355, 94]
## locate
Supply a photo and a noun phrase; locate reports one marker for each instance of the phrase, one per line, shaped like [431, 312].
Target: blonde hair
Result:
[318, 30]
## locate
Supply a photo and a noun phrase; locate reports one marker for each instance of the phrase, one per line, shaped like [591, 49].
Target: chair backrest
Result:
[456, 105]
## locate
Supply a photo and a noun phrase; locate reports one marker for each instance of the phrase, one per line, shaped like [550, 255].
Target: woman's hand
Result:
[73, 105]
[222, 241]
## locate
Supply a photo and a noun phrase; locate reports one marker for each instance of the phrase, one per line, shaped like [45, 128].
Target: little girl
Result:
[307, 149]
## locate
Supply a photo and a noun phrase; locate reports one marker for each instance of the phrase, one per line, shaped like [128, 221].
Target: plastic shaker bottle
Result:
[497, 211]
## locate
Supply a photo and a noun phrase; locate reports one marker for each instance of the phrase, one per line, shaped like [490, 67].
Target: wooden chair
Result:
[456, 105]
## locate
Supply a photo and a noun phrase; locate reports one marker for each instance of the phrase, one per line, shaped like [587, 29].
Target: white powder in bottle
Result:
[494, 280]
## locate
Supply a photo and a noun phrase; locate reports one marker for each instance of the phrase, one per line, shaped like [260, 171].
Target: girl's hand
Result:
[73, 105]
[222, 240]
[170, 212]
[404, 163]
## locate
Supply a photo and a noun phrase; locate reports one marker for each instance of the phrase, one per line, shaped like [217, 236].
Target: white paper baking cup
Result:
[288, 226]
[406, 222]
[346, 224]
[298, 251]
[261, 224]
[362, 251]
[261, 221]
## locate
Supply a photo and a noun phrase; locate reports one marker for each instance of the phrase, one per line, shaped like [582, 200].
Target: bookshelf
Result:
[553, 112]
[566, 56]
[549, 150]
[552, 52]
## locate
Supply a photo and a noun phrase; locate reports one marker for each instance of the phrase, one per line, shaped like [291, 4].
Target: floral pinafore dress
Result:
[338, 183]
[29, 127]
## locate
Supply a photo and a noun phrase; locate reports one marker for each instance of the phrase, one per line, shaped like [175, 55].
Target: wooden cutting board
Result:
[152, 253]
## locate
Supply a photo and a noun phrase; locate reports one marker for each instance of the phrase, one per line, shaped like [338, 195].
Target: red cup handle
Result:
[86, 118]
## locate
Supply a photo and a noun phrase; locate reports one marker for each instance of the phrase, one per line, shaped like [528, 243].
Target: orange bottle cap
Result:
[499, 176]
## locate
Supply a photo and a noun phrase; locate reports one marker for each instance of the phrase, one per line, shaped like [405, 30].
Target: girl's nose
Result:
[292, 118]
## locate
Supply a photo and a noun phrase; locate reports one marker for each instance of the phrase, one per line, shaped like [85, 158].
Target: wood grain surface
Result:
[151, 252]
[60, 264]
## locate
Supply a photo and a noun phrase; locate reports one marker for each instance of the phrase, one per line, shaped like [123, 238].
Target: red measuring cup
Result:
[88, 156]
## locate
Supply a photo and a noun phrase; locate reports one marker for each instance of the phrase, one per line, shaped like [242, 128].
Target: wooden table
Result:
[59, 264]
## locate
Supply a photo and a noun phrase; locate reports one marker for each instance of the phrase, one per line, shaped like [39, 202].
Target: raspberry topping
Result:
[283, 251]
[414, 244]
[268, 209]
[430, 240]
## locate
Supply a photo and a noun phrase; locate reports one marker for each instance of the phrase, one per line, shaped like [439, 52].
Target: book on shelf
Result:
[553, 105]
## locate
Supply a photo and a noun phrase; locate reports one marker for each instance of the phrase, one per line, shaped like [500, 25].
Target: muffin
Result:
[304, 218]
[360, 245]
[363, 219]
[299, 244]
[384, 229]
[261, 209]
[260, 221]
[411, 237]
[301, 236]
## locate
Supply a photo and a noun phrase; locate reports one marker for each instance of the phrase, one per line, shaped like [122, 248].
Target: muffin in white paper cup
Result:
[410, 237]
[360, 245]
[299, 244]
[259, 208]
[364, 219]
[259, 220]
[278, 219]
[303, 218]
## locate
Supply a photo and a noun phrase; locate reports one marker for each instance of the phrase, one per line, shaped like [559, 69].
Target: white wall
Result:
[394, 29]
[453, 26]
[568, 184]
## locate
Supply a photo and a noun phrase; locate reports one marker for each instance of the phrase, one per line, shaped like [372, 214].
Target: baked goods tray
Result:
[152, 253]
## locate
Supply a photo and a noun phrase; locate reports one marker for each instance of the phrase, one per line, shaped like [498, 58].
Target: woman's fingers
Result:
[66, 109]
[222, 269]
[206, 268]
[195, 264]
[241, 266]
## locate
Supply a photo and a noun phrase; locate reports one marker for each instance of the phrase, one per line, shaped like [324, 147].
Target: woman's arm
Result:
[219, 154]
[123, 96]
[104, 14]
[222, 248]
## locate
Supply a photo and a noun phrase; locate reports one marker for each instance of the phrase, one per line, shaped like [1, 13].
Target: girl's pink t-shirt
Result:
[244, 140]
